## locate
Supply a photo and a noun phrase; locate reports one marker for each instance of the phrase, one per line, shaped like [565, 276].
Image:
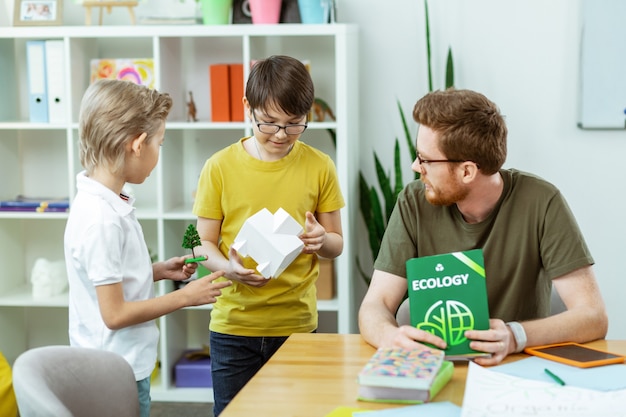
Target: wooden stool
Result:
[109, 4]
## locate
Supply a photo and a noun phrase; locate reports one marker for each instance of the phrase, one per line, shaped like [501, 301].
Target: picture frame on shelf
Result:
[38, 13]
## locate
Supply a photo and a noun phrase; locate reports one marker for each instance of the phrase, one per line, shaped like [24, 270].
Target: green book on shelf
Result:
[447, 296]
[398, 375]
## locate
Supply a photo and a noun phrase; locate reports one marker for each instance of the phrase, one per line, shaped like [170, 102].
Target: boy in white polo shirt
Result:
[112, 305]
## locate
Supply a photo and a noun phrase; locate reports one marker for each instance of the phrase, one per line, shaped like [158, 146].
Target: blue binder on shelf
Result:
[55, 81]
[37, 88]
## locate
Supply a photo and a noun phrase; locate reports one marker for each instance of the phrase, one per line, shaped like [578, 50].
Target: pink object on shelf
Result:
[265, 11]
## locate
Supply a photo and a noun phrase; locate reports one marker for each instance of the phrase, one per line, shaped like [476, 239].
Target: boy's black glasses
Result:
[273, 128]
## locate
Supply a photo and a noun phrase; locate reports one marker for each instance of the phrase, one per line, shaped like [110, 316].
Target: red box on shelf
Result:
[220, 92]
[236, 92]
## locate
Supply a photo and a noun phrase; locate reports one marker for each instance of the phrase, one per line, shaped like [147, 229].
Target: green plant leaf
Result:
[405, 128]
[364, 200]
[449, 70]
[428, 55]
[378, 223]
[398, 177]
[384, 183]
[409, 139]
[368, 200]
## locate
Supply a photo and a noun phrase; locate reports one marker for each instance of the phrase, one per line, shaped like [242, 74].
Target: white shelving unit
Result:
[42, 160]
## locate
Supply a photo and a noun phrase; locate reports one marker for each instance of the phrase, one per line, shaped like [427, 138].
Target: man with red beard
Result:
[464, 200]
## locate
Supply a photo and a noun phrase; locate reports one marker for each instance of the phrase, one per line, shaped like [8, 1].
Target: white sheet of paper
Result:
[490, 394]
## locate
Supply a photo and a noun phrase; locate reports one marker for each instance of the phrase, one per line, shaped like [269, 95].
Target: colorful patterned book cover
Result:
[402, 368]
[447, 296]
[140, 70]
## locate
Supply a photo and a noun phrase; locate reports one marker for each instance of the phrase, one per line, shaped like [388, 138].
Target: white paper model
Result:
[271, 240]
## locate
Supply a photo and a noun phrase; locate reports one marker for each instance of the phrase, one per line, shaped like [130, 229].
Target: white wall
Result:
[524, 55]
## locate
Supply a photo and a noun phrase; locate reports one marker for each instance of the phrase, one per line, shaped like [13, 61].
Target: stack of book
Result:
[399, 375]
[39, 205]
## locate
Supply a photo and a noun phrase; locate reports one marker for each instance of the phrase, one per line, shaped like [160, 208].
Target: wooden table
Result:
[312, 374]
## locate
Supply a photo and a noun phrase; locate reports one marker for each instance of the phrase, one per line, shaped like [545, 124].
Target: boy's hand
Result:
[176, 269]
[237, 272]
[314, 235]
[204, 290]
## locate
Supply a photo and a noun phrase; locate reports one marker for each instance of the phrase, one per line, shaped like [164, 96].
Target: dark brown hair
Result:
[282, 83]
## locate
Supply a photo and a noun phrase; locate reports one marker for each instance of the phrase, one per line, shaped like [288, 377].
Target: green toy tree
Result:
[190, 241]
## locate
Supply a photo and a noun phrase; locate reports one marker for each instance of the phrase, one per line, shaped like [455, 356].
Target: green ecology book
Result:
[447, 296]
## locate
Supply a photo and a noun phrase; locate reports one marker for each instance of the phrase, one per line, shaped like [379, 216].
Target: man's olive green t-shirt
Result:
[530, 238]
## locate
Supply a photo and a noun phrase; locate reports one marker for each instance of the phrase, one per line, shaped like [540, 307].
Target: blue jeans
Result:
[143, 387]
[234, 360]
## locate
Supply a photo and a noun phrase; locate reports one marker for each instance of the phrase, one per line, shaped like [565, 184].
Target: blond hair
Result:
[112, 113]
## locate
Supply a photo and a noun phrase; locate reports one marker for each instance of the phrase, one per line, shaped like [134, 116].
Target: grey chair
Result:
[64, 381]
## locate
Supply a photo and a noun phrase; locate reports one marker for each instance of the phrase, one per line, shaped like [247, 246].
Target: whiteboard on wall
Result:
[603, 65]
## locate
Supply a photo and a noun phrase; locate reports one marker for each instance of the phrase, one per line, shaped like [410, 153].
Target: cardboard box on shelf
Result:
[326, 281]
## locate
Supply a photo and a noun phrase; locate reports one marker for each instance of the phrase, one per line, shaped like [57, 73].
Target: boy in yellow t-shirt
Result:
[270, 170]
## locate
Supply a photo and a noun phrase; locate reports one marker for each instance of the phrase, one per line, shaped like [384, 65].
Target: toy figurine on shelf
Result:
[108, 5]
[190, 241]
[321, 109]
[191, 109]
